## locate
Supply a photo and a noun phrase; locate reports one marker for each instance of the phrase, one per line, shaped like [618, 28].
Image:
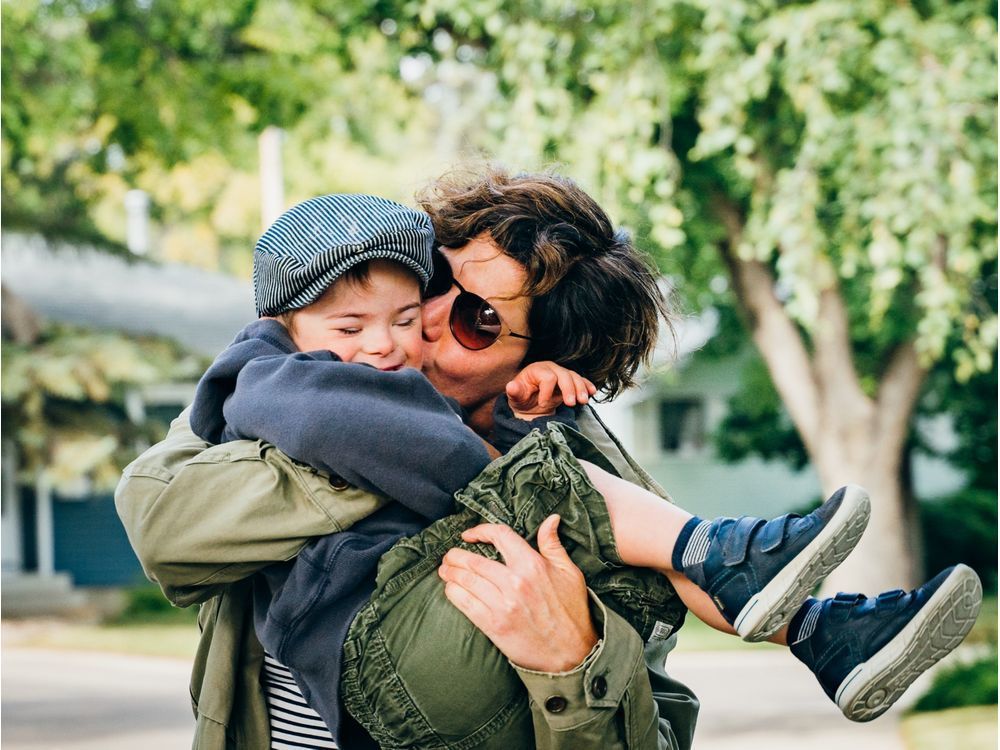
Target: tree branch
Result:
[777, 338]
[839, 385]
[897, 394]
[904, 376]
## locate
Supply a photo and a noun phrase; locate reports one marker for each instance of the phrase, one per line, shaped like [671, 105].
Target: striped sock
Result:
[691, 546]
[803, 624]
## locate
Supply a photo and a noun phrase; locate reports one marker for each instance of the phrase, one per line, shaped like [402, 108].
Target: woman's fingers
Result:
[460, 562]
[469, 605]
[516, 552]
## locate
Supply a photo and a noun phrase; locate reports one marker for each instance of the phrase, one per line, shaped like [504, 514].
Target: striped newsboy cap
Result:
[309, 246]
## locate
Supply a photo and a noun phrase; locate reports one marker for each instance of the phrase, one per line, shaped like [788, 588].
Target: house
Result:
[56, 539]
[667, 425]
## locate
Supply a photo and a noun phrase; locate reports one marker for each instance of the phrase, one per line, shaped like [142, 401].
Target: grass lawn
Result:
[164, 635]
[697, 636]
[971, 728]
[176, 640]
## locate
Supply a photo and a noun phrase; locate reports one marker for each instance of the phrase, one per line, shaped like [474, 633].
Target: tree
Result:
[64, 392]
[828, 168]
[102, 96]
[836, 159]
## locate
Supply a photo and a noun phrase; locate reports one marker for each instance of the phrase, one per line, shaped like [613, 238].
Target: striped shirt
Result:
[294, 726]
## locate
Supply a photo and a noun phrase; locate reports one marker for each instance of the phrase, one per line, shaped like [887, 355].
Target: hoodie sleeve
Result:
[386, 432]
[508, 429]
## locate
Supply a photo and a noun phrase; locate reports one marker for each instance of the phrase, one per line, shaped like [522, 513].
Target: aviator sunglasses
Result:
[474, 322]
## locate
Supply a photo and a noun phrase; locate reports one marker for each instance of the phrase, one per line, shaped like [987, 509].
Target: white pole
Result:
[11, 511]
[137, 221]
[45, 540]
[272, 180]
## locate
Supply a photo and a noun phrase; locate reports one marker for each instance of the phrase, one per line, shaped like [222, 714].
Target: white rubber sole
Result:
[773, 606]
[940, 625]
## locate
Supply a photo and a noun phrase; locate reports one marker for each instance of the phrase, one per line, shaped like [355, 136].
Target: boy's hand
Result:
[540, 387]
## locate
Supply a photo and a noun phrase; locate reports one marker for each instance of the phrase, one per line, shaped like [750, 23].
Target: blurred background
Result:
[817, 182]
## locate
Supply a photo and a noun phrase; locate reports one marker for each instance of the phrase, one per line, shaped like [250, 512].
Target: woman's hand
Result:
[540, 387]
[534, 606]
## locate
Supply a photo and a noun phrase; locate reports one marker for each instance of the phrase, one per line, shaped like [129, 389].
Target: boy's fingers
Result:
[546, 386]
[582, 392]
[516, 390]
[567, 388]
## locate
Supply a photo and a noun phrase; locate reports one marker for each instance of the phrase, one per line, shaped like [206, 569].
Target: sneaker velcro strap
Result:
[842, 604]
[887, 600]
[734, 549]
[773, 534]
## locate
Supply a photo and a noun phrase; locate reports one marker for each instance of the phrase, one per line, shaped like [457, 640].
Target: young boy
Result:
[330, 375]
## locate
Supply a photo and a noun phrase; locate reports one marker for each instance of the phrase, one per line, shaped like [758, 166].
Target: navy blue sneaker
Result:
[758, 572]
[866, 651]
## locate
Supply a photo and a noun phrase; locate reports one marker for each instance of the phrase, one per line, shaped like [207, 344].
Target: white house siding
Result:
[704, 484]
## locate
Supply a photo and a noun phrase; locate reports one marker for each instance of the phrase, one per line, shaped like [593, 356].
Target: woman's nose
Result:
[435, 316]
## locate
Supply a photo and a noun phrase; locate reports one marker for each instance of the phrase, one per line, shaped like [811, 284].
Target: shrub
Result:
[146, 604]
[972, 684]
[962, 528]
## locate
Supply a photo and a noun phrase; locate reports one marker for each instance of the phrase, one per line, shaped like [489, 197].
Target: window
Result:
[682, 425]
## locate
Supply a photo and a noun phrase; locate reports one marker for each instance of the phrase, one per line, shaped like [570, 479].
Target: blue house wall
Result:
[89, 541]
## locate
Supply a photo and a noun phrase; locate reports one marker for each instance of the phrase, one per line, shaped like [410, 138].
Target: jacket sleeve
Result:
[643, 708]
[200, 517]
[619, 698]
[388, 432]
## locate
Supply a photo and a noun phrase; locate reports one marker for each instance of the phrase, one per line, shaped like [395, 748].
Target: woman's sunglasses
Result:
[474, 322]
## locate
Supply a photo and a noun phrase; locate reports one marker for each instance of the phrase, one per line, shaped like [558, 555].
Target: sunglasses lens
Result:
[441, 278]
[474, 322]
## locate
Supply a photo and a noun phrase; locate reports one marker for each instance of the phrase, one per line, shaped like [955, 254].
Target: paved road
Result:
[768, 700]
[55, 700]
[66, 700]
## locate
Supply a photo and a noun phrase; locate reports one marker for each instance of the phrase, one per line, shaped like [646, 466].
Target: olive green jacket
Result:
[203, 519]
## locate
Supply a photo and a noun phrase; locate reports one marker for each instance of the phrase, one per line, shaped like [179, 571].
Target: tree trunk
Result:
[883, 559]
[850, 436]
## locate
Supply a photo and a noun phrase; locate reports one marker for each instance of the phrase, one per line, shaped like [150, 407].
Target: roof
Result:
[200, 309]
[84, 286]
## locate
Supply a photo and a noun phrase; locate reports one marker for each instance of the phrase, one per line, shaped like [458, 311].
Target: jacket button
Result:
[599, 687]
[555, 704]
[338, 483]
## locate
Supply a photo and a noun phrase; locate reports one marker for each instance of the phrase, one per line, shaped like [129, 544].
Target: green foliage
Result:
[972, 684]
[756, 423]
[848, 144]
[962, 528]
[64, 399]
[146, 604]
[971, 404]
[102, 96]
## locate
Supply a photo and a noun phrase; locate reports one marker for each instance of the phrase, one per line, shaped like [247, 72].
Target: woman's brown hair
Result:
[596, 306]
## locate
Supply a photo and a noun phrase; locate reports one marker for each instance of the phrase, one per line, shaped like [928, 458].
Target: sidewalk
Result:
[70, 700]
[768, 701]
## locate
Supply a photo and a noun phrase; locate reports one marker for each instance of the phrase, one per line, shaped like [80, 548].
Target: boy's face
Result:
[375, 323]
